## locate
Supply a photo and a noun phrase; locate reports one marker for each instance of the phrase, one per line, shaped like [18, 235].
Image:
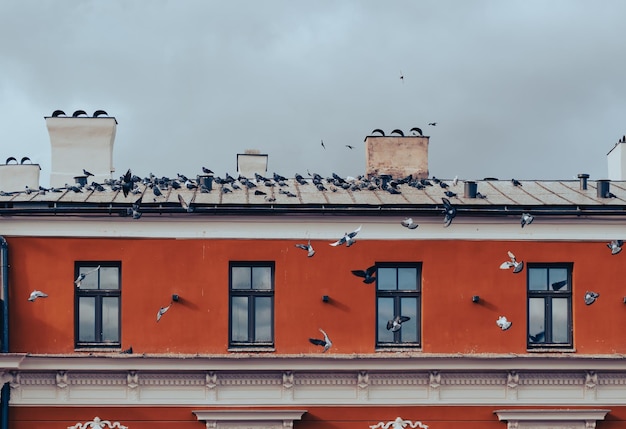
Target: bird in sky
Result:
[449, 212]
[517, 266]
[347, 239]
[590, 297]
[349, 147]
[433, 124]
[326, 343]
[162, 311]
[503, 323]
[82, 276]
[323, 145]
[526, 219]
[615, 246]
[367, 275]
[401, 76]
[307, 247]
[409, 223]
[395, 324]
[36, 294]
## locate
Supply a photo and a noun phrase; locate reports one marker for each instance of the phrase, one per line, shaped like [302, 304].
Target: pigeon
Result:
[401, 76]
[527, 219]
[349, 147]
[162, 311]
[326, 343]
[517, 266]
[615, 246]
[37, 294]
[186, 205]
[408, 223]
[368, 274]
[395, 324]
[324, 146]
[348, 238]
[128, 351]
[449, 212]
[516, 182]
[590, 297]
[455, 181]
[503, 323]
[538, 337]
[206, 171]
[433, 124]
[86, 173]
[82, 276]
[127, 183]
[307, 247]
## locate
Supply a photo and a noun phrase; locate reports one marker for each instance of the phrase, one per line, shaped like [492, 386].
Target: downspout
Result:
[4, 341]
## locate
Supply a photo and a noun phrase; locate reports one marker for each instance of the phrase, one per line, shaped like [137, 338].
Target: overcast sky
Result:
[531, 89]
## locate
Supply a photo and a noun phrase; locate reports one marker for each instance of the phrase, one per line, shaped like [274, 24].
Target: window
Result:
[398, 293]
[252, 304]
[97, 304]
[550, 305]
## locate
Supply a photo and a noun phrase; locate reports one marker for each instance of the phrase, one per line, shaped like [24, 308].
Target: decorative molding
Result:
[249, 419]
[552, 418]
[98, 424]
[399, 423]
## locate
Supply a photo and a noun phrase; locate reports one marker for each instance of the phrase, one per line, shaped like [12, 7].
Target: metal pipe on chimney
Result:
[583, 181]
[470, 189]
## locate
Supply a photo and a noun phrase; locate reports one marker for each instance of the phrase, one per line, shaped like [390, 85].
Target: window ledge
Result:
[251, 349]
[551, 350]
[113, 349]
[398, 349]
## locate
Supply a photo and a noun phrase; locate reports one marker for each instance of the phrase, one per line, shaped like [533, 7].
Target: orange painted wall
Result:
[197, 270]
[464, 417]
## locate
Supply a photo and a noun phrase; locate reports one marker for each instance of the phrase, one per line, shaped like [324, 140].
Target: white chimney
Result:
[251, 162]
[16, 177]
[617, 160]
[81, 142]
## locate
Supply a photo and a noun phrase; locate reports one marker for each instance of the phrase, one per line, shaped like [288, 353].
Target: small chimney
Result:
[81, 142]
[250, 162]
[617, 160]
[604, 188]
[583, 181]
[397, 155]
[16, 177]
[470, 189]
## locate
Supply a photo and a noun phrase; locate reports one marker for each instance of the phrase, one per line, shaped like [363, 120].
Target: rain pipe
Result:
[4, 345]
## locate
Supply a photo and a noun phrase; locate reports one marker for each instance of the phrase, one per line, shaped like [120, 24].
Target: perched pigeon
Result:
[396, 323]
[37, 294]
[368, 274]
[348, 238]
[82, 276]
[128, 351]
[162, 311]
[590, 297]
[615, 246]
[86, 173]
[526, 219]
[517, 266]
[326, 343]
[307, 247]
[503, 323]
[408, 222]
[449, 212]
[516, 182]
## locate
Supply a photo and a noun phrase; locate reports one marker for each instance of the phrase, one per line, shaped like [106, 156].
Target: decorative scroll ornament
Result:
[399, 423]
[98, 424]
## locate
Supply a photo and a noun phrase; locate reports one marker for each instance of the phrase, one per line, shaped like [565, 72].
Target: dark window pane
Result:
[385, 313]
[109, 277]
[87, 319]
[110, 319]
[560, 317]
[386, 278]
[241, 278]
[537, 279]
[239, 318]
[263, 318]
[262, 278]
[407, 278]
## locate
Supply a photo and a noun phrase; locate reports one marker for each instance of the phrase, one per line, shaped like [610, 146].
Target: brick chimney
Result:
[81, 142]
[250, 162]
[16, 177]
[396, 154]
[617, 160]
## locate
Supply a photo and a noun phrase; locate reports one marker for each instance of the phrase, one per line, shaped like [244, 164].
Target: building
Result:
[184, 307]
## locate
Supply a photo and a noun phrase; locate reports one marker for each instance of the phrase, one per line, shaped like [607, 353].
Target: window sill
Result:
[388, 349]
[551, 350]
[114, 349]
[238, 349]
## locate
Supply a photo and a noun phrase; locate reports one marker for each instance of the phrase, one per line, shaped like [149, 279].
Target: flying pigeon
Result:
[326, 343]
[82, 276]
[127, 183]
[396, 323]
[517, 266]
[37, 294]
[348, 238]
[162, 311]
[323, 144]
[349, 147]
[432, 124]
[503, 323]
[307, 247]
[368, 274]
[408, 222]
[449, 211]
[186, 205]
[590, 297]
[615, 246]
[526, 219]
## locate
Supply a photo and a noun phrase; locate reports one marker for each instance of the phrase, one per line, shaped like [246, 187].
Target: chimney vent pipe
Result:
[604, 187]
[470, 189]
[583, 181]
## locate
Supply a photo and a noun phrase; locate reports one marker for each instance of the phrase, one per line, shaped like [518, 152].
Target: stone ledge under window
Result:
[251, 349]
[554, 418]
[249, 419]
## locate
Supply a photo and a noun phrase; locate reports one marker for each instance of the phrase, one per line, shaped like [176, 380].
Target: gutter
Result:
[5, 393]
